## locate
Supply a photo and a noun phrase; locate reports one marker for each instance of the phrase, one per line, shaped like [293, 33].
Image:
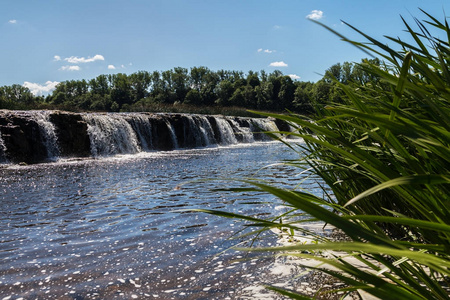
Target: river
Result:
[120, 227]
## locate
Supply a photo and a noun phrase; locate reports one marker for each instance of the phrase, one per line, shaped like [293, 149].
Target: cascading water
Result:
[245, 134]
[2, 150]
[226, 133]
[39, 136]
[193, 131]
[172, 134]
[47, 130]
[258, 126]
[110, 134]
[207, 131]
[142, 126]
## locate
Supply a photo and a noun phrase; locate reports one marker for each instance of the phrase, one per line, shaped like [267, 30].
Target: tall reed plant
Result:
[383, 150]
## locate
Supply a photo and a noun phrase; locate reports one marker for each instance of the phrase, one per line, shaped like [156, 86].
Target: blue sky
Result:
[46, 42]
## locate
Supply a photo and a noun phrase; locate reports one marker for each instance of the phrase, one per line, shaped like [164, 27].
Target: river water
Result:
[120, 227]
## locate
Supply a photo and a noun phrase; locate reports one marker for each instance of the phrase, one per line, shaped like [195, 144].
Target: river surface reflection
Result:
[118, 227]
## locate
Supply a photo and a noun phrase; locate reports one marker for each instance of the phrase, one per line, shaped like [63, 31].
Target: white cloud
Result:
[70, 68]
[278, 64]
[77, 60]
[123, 66]
[56, 58]
[12, 21]
[266, 51]
[315, 15]
[38, 89]
[277, 27]
[294, 76]
[111, 67]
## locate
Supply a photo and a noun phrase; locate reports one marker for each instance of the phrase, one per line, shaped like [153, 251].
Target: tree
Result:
[208, 90]
[302, 97]
[180, 79]
[121, 89]
[320, 93]
[333, 73]
[193, 97]
[168, 92]
[237, 99]
[224, 92]
[139, 84]
[156, 87]
[99, 85]
[346, 72]
[265, 95]
[253, 79]
[197, 77]
[16, 93]
[250, 99]
[286, 93]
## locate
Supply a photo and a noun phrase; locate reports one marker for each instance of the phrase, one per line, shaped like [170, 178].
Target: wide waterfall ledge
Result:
[42, 136]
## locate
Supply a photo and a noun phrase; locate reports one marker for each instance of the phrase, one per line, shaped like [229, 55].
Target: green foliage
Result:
[198, 86]
[383, 150]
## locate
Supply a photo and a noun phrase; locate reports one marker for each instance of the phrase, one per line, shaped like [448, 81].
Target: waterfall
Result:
[38, 136]
[47, 131]
[193, 136]
[172, 134]
[259, 126]
[243, 133]
[2, 150]
[142, 126]
[197, 131]
[207, 131]
[111, 134]
[226, 132]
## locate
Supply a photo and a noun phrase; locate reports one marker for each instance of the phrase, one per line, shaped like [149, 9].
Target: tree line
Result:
[198, 86]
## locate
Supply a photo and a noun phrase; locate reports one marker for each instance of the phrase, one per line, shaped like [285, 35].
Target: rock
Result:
[71, 132]
[162, 135]
[22, 138]
[39, 136]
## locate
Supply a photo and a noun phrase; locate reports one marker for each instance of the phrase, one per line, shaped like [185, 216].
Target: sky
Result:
[45, 42]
